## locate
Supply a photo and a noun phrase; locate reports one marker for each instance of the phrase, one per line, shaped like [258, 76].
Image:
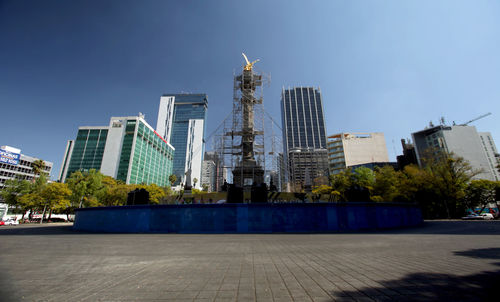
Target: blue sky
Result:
[383, 66]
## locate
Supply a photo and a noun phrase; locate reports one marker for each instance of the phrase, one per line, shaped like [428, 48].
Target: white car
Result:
[487, 216]
[11, 221]
[484, 216]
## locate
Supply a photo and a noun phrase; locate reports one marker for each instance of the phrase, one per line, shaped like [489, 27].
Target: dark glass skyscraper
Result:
[304, 135]
[181, 122]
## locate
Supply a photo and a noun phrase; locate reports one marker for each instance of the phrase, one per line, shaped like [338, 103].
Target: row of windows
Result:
[15, 175]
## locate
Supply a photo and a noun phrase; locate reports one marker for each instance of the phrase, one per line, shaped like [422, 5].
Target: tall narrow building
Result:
[181, 122]
[304, 135]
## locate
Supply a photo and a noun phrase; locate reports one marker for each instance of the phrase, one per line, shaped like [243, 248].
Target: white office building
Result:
[13, 165]
[353, 149]
[464, 141]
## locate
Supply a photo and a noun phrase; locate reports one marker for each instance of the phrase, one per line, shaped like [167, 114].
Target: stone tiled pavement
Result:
[443, 260]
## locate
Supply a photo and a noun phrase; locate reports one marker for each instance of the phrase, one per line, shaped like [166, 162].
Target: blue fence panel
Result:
[248, 218]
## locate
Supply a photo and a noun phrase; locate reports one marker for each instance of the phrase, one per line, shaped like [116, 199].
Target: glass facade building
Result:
[128, 149]
[148, 160]
[183, 126]
[88, 149]
[304, 134]
[303, 118]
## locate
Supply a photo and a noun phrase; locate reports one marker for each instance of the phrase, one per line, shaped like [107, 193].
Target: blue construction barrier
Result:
[248, 218]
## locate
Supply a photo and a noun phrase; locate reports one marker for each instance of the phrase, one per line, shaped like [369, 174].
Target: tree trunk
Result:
[43, 214]
[81, 201]
[447, 210]
[50, 213]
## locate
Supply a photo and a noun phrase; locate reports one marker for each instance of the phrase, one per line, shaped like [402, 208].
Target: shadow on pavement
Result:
[451, 227]
[483, 286]
[488, 253]
[33, 229]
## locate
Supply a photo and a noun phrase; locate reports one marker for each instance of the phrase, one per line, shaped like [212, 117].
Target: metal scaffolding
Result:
[249, 142]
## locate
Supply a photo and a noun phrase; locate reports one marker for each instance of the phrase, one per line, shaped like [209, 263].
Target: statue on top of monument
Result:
[249, 65]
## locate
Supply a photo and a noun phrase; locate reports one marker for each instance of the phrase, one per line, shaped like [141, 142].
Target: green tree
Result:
[38, 167]
[55, 197]
[204, 187]
[156, 193]
[364, 177]
[322, 189]
[172, 178]
[195, 180]
[13, 190]
[481, 192]
[341, 183]
[387, 184]
[116, 195]
[449, 176]
[85, 186]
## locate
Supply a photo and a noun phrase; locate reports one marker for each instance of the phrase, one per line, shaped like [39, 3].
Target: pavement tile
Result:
[440, 261]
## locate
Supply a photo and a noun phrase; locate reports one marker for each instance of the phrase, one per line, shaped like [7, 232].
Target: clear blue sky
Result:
[388, 66]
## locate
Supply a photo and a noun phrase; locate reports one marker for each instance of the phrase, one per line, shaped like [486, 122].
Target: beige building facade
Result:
[352, 149]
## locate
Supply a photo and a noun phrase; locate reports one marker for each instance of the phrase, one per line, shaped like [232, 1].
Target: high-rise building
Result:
[356, 149]
[463, 141]
[304, 134]
[13, 165]
[85, 152]
[219, 172]
[491, 153]
[208, 175]
[129, 149]
[181, 122]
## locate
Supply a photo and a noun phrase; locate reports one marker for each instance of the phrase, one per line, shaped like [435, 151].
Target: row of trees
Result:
[82, 189]
[443, 188]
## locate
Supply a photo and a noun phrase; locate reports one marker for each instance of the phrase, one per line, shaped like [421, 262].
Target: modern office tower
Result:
[85, 152]
[356, 149]
[209, 175]
[129, 149]
[304, 135]
[13, 165]
[181, 122]
[491, 153]
[463, 141]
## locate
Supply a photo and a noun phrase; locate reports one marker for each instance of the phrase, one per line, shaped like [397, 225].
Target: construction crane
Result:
[475, 119]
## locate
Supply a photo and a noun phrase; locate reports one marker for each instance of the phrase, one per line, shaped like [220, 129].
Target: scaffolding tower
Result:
[248, 143]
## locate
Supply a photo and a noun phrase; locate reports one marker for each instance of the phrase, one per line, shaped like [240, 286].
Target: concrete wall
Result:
[362, 148]
[248, 218]
[113, 148]
[465, 142]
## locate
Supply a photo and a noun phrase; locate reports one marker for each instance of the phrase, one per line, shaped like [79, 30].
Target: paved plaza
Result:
[443, 260]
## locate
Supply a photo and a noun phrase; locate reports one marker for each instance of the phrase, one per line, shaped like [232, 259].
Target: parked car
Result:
[2, 223]
[487, 216]
[11, 221]
[484, 216]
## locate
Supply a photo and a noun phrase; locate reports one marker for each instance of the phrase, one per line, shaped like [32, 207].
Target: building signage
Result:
[9, 157]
